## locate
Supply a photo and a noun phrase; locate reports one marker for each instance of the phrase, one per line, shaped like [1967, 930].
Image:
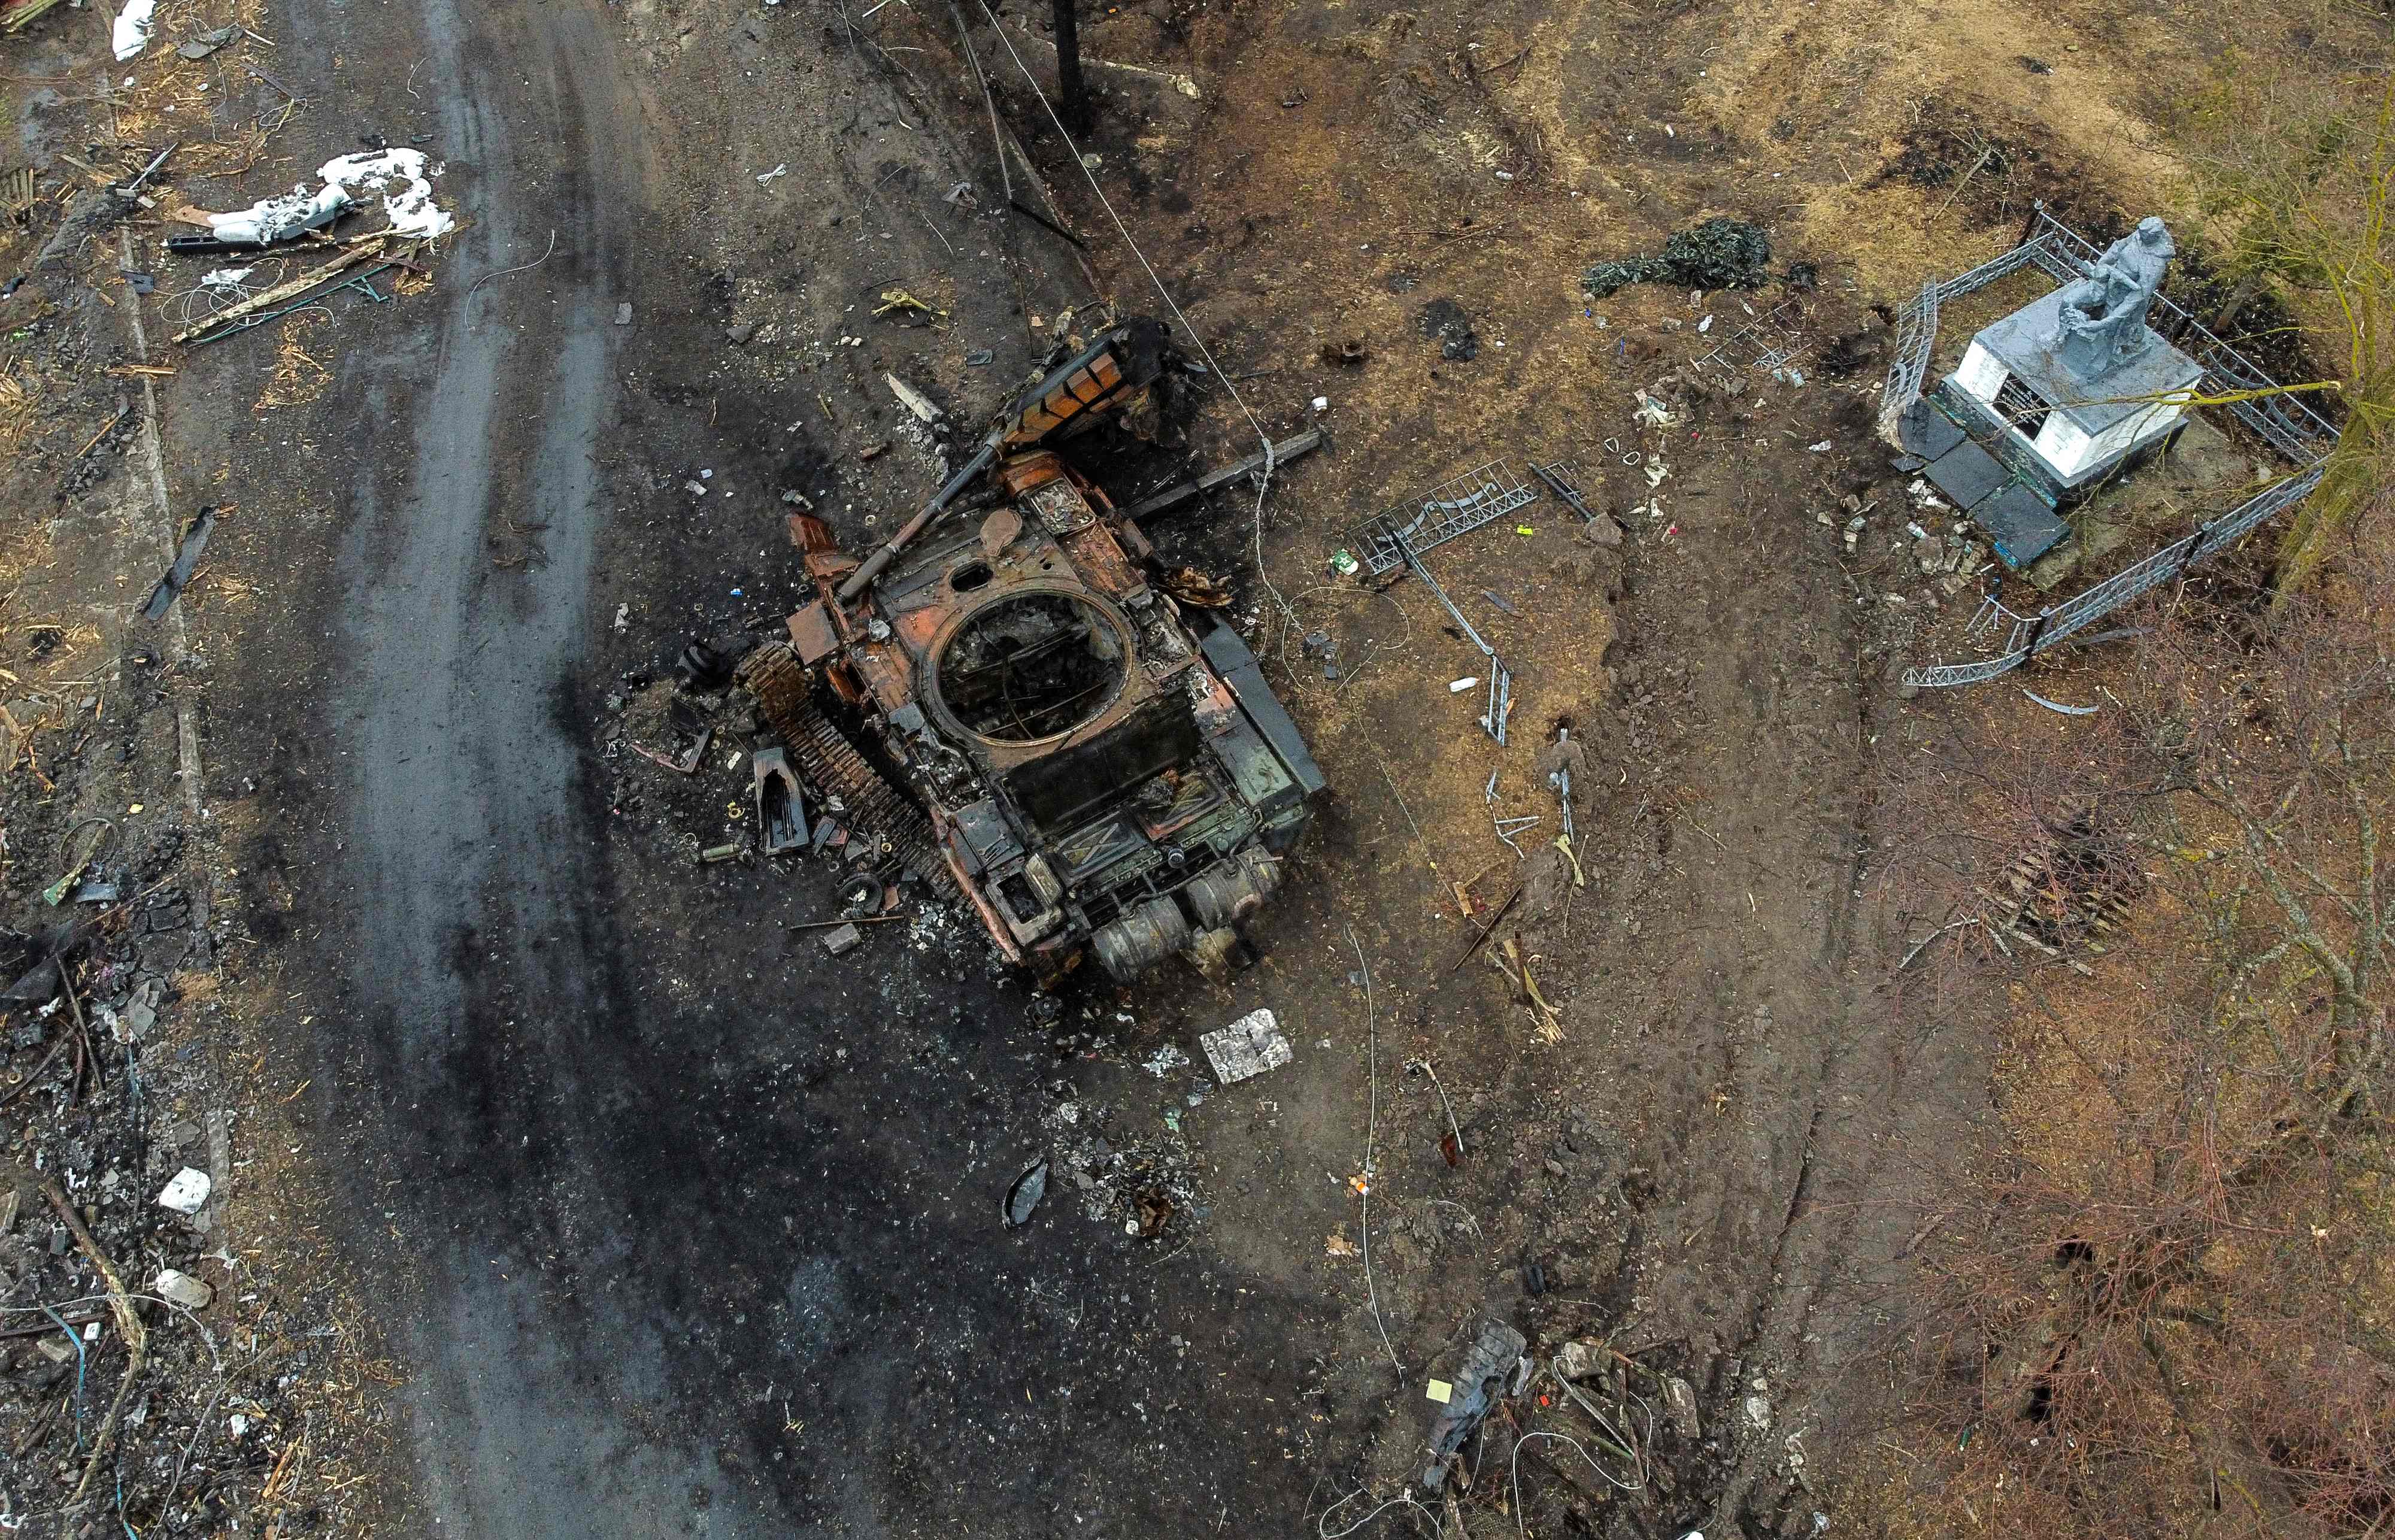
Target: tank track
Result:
[833, 767]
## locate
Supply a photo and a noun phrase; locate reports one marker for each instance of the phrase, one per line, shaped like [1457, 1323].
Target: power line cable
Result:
[1264, 477]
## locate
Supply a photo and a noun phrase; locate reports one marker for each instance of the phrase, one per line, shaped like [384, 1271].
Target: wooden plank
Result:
[281, 292]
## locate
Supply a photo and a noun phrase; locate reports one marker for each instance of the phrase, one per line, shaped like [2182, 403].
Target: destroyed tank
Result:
[1009, 698]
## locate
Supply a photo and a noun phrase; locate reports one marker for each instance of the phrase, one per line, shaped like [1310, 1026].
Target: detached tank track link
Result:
[831, 765]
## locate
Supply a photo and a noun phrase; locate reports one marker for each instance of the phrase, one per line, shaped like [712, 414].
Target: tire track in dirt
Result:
[477, 951]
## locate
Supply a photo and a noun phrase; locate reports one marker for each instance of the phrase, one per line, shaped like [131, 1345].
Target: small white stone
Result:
[185, 1192]
[181, 1288]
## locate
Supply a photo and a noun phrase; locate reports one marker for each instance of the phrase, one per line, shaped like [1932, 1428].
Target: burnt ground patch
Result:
[1995, 169]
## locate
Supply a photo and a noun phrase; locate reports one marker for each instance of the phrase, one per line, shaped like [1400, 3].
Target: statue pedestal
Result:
[2074, 426]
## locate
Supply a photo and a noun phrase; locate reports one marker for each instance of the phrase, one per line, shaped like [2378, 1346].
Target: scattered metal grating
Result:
[1452, 508]
[1763, 345]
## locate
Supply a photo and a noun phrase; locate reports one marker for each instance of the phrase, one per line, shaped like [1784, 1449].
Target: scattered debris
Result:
[1246, 1048]
[181, 1288]
[253, 311]
[1449, 325]
[843, 939]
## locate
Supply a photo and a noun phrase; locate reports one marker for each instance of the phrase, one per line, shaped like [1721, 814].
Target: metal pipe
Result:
[879, 562]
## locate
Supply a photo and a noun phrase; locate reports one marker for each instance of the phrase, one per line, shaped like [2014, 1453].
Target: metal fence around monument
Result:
[2300, 434]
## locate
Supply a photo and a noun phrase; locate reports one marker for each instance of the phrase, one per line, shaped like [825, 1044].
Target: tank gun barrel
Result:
[891, 549]
[1107, 374]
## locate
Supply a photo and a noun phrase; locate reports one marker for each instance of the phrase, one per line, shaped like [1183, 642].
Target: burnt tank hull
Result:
[1099, 769]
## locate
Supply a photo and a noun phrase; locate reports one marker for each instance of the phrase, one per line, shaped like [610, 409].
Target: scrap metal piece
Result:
[1246, 1048]
[1456, 506]
[1565, 485]
[1561, 780]
[187, 562]
[1024, 1194]
[781, 810]
[1494, 1360]
[1500, 682]
[1174, 496]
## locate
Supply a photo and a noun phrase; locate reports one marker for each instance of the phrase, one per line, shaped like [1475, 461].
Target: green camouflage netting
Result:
[1718, 254]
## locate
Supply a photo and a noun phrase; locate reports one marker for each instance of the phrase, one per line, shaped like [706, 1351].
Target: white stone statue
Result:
[2101, 324]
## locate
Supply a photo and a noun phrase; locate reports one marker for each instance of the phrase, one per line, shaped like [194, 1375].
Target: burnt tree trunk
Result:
[1075, 107]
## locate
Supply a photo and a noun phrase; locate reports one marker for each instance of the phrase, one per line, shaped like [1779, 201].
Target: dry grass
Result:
[20, 391]
[299, 378]
[25, 551]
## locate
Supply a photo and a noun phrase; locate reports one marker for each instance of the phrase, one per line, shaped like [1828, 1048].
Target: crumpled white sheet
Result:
[134, 24]
[268, 220]
[410, 204]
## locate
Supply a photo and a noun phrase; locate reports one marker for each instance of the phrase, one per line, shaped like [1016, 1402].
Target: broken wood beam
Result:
[281, 292]
[1173, 496]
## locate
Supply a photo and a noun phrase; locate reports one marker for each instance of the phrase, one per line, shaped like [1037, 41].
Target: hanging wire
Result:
[1264, 475]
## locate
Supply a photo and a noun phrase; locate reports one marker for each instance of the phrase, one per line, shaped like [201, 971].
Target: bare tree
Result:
[2303, 170]
[2165, 1309]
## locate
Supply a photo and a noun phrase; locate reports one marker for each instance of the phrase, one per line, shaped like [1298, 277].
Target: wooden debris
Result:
[281, 292]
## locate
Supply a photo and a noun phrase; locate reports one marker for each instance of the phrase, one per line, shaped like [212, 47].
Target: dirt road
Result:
[677, 1226]
[457, 794]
